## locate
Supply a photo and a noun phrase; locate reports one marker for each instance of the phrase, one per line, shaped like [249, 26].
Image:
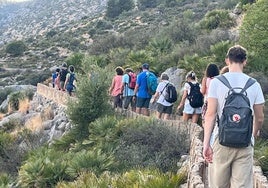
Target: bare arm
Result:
[203, 88]
[258, 118]
[183, 98]
[156, 95]
[136, 89]
[208, 128]
[112, 86]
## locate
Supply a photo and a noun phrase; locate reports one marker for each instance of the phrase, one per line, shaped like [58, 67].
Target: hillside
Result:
[53, 30]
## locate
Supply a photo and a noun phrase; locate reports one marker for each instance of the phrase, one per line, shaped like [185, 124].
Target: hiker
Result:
[163, 106]
[232, 166]
[188, 110]
[141, 91]
[224, 69]
[115, 89]
[55, 78]
[69, 81]
[212, 70]
[63, 73]
[128, 86]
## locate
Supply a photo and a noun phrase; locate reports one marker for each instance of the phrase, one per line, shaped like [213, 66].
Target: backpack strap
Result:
[249, 83]
[224, 80]
[164, 88]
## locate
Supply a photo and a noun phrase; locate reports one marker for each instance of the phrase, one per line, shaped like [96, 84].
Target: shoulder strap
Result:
[249, 83]
[190, 83]
[164, 88]
[224, 80]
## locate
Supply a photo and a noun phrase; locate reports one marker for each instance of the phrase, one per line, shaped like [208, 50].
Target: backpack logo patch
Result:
[236, 118]
[236, 121]
[151, 83]
[195, 97]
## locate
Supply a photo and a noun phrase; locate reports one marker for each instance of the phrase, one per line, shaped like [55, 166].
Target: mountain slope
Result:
[39, 16]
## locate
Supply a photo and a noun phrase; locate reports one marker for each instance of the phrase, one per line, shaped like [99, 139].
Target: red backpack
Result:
[132, 80]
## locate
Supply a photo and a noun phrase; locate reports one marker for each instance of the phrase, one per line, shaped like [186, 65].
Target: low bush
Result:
[145, 178]
[148, 143]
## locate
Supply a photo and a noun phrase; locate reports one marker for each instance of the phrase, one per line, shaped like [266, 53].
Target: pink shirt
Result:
[117, 83]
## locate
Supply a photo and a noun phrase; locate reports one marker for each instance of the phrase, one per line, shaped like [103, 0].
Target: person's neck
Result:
[236, 67]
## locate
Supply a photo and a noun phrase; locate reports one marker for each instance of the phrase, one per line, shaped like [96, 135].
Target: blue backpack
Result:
[151, 83]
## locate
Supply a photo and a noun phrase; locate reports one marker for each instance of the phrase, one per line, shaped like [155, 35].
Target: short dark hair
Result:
[119, 70]
[128, 70]
[71, 68]
[212, 70]
[237, 54]
[145, 66]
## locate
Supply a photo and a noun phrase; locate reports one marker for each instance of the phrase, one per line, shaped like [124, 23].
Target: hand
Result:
[208, 153]
[179, 107]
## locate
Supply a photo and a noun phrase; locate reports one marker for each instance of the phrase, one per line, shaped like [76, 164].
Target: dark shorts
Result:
[143, 102]
[128, 100]
[164, 109]
[118, 101]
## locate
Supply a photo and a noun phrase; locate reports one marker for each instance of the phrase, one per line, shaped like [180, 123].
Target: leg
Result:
[139, 105]
[138, 110]
[195, 118]
[242, 168]
[145, 111]
[167, 112]
[145, 108]
[185, 117]
[166, 116]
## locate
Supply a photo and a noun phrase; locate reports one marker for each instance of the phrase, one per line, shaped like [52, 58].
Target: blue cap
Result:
[145, 66]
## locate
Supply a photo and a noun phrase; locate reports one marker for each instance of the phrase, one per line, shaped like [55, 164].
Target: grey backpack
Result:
[236, 122]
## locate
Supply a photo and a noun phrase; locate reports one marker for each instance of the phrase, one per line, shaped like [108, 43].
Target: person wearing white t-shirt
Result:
[163, 107]
[229, 166]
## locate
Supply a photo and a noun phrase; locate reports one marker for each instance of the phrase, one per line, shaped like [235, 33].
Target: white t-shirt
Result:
[219, 91]
[162, 91]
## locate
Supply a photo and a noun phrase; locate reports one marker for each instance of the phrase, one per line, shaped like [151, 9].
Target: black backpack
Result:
[63, 74]
[171, 95]
[236, 122]
[195, 96]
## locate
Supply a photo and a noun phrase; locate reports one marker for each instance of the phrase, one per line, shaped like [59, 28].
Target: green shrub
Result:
[16, 48]
[5, 180]
[261, 154]
[90, 161]
[44, 168]
[146, 178]
[15, 98]
[254, 36]
[92, 100]
[148, 143]
[116, 7]
[4, 93]
[76, 60]
[217, 19]
[143, 4]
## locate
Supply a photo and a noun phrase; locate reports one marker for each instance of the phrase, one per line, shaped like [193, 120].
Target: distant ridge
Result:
[35, 17]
